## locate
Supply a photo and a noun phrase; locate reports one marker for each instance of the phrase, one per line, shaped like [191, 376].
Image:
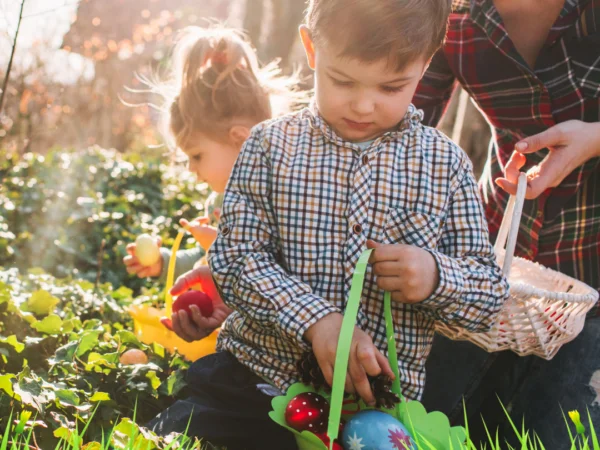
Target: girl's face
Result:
[212, 160]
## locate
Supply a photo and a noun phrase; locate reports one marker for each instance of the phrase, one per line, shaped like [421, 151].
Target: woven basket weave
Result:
[546, 308]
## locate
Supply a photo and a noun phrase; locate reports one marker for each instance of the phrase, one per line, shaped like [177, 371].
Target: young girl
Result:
[218, 94]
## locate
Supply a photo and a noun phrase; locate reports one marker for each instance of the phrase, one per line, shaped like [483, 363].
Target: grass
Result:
[127, 435]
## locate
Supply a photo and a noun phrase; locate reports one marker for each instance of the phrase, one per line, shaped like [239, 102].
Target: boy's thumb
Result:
[372, 244]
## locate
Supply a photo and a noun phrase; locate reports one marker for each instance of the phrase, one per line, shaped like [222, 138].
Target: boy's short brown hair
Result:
[369, 30]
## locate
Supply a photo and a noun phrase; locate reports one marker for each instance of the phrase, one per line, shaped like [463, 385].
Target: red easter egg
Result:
[323, 436]
[198, 298]
[307, 411]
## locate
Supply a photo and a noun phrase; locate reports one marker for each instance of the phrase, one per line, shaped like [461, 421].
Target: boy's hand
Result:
[197, 326]
[409, 273]
[365, 358]
[134, 267]
[202, 232]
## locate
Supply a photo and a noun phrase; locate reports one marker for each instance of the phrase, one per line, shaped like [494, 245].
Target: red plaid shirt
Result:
[561, 228]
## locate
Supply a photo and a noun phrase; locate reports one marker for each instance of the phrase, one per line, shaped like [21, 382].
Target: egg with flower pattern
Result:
[376, 430]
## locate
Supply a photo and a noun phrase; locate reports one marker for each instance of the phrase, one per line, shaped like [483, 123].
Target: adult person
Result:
[533, 68]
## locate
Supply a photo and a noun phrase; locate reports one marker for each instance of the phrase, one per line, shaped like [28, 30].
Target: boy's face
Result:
[360, 100]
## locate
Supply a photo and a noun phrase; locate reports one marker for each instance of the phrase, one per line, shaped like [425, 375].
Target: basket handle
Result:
[345, 340]
[509, 229]
[171, 272]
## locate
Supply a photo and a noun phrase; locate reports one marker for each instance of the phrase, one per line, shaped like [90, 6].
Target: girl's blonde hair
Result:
[217, 83]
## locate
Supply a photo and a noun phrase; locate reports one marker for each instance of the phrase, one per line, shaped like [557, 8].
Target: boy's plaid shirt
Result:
[299, 207]
[560, 229]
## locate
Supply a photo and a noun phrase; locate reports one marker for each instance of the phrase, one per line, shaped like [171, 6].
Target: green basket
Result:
[431, 431]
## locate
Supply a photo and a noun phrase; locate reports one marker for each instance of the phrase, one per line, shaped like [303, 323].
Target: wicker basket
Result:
[545, 309]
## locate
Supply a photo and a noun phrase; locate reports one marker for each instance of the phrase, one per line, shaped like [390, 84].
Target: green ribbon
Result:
[345, 340]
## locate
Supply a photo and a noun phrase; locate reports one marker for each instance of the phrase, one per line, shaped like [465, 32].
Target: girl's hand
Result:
[409, 273]
[197, 326]
[133, 265]
[571, 144]
[202, 232]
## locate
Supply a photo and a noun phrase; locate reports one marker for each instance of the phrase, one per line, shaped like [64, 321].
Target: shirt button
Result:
[357, 228]
[365, 160]
[225, 231]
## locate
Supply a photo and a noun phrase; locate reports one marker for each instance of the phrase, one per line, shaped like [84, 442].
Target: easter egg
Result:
[307, 411]
[133, 356]
[325, 439]
[376, 430]
[198, 298]
[146, 250]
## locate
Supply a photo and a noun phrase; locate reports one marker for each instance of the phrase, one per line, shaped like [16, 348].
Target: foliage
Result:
[60, 342]
[55, 211]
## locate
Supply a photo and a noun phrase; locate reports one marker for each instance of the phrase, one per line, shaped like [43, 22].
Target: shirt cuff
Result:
[303, 312]
[451, 282]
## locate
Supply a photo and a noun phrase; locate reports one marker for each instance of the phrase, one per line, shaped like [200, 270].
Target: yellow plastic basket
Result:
[148, 328]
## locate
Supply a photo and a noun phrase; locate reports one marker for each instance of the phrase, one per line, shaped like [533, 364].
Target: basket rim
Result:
[591, 296]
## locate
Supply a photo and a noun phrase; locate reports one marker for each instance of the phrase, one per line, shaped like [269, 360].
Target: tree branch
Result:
[10, 61]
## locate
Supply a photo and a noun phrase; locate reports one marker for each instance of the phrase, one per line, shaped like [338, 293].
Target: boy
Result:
[310, 191]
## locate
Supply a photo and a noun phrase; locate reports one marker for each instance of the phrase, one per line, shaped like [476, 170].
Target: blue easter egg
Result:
[376, 430]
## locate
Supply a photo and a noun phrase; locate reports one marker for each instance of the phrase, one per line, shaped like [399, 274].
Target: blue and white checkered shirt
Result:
[301, 203]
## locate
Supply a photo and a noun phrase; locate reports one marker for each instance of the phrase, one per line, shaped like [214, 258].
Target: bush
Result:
[60, 342]
[63, 325]
[55, 211]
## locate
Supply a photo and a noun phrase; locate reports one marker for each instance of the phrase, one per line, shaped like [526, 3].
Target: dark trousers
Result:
[532, 389]
[226, 408]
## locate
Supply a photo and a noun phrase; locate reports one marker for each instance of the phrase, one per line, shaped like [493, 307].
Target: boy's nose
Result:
[362, 105]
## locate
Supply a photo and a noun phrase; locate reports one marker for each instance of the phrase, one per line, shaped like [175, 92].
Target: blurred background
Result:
[73, 62]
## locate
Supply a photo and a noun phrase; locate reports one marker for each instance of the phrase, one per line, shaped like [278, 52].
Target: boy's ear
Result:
[238, 135]
[309, 46]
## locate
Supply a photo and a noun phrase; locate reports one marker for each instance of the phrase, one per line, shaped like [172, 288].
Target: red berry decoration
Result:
[198, 298]
[307, 411]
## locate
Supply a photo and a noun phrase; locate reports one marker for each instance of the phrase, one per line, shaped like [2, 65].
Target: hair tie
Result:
[219, 58]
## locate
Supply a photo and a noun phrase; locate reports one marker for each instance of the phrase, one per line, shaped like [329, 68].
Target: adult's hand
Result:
[571, 144]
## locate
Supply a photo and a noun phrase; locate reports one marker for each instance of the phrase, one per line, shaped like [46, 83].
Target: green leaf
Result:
[65, 353]
[88, 341]
[67, 397]
[122, 293]
[4, 293]
[85, 285]
[97, 361]
[49, 325]
[13, 342]
[154, 380]
[40, 303]
[6, 383]
[100, 397]
[127, 337]
[31, 394]
[173, 384]
[23, 418]
[158, 349]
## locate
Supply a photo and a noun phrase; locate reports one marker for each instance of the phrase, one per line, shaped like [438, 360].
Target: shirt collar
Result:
[409, 122]
[485, 14]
